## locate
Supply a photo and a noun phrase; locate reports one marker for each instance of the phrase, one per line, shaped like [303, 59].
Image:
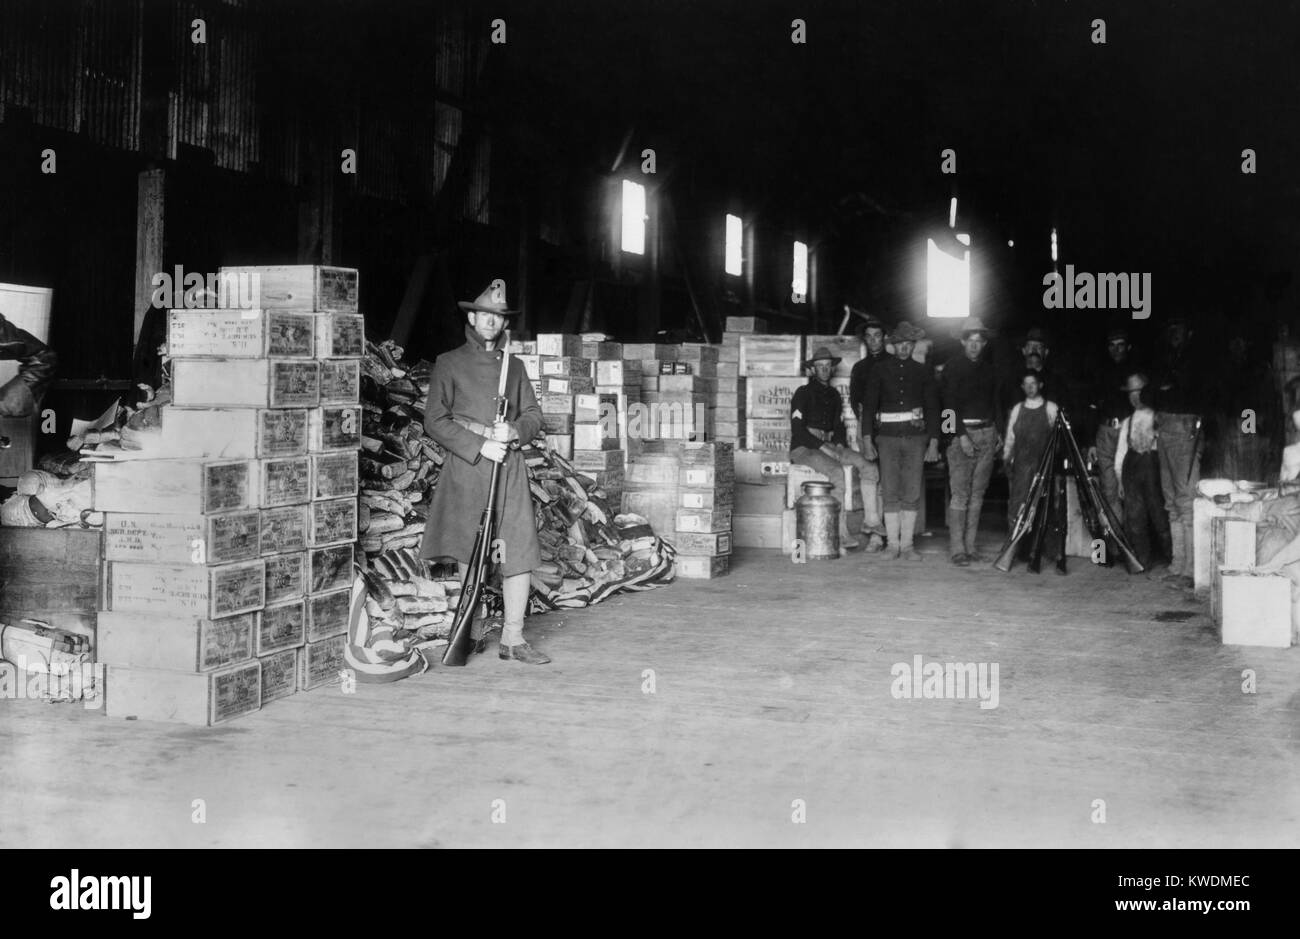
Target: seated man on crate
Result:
[20, 396]
[819, 439]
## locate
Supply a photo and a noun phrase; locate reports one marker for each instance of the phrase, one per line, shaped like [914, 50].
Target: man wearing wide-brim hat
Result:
[969, 390]
[872, 333]
[818, 436]
[902, 399]
[460, 416]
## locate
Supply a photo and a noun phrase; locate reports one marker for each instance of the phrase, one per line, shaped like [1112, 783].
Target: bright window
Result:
[799, 283]
[634, 217]
[734, 232]
[947, 281]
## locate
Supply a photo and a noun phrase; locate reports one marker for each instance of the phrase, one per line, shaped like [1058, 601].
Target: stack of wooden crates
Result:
[229, 552]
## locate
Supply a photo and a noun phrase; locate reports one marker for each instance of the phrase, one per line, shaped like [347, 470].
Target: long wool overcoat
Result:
[463, 384]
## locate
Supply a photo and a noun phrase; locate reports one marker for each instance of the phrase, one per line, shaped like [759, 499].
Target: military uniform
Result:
[459, 415]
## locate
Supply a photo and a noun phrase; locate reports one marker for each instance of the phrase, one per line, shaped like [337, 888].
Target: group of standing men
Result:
[1151, 420]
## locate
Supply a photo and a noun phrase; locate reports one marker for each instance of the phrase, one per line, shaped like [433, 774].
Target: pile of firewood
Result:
[411, 595]
[399, 464]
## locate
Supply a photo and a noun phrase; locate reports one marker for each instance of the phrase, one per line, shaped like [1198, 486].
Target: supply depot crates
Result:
[701, 507]
[228, 561]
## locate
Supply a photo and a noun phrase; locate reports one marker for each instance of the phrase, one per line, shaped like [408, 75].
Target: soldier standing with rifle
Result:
[903, 399]
[460, 417]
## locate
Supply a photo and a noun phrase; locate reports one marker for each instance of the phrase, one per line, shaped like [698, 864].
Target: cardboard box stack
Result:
[229, 551]
[564, 374]
[728, 402]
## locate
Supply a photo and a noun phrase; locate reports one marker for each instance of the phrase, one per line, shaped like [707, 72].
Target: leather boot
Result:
[907, 526]
[1177, 553]
[957, 536]
[847, 541]
[892, 529]
[973, 530]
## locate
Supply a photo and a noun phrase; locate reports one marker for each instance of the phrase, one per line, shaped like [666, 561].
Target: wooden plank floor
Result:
[772, 685]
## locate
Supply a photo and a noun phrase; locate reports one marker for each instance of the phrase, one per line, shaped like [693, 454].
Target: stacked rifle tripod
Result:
[1044, 516]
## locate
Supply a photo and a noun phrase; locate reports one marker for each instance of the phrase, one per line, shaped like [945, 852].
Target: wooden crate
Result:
[765, 434]
[704, 520]
[532, 366]
[247, 334]
[1233, 549]
[334, 475]
[646, 351]
[304, 286]
[279, 675]
[286, 576]
[208, 592]
[706, 498]
[703, 544]
[593, 437]
[559, 344]
[330, 568]
[618, 373]
[769, 397]
[232, 433]
[658, 507]
[52, 575]
[155, 694]
[771, 355]
[281, 482]
[246, 383]
[602, 350]
[173, 486]
[340, 381]
[1256, 609]
[340, 335]
[334, 428]
[557, 424]
[567, 366]
[327, 614]
[591, 408]
[280, 626]
[320, 663]
[756, 531]
[699, 567]
[181, 539]
[561, 444]
[745, 324]
[706, 477]
[283, 529]
[598, 460]
[177, 642]
[332, 521]
[556, 404]
[559, 385]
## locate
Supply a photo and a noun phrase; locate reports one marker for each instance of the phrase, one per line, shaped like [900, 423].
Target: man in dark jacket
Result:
[903, 401]
[819, 439]
[21, 395]
[1107, 410]
[970, 392]
[460, 416]
[873, 337]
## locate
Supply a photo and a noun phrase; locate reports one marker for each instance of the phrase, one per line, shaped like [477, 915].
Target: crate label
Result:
[279, 675]
[331, 568]
[286, 481]
[295, 384]
[338, 289]
[236, 692]
[281, 627]
[334, 520]
[321, 662]
[339, 428]
[239, 333]
[327, 614]
[226, 487]
[340, 381]
[284, 529]
[334, 474]
[226, 641]
[238, 588]
[283, 433]
[181, 538]
[286, 576]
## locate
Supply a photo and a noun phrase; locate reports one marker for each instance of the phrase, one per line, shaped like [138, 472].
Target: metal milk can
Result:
[817, 521]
